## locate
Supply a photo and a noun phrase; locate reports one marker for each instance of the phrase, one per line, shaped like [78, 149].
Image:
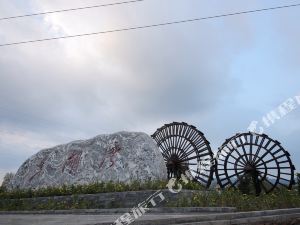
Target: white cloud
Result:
[57, 91]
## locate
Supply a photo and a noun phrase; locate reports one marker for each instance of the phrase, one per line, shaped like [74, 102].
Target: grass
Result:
[278, 199]
[19, 199]
[81, 189]
[90, 189]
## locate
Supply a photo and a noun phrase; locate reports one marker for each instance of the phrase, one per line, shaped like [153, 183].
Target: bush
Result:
[6, 180]
[281, 198]
[298, 182]
[87, 189]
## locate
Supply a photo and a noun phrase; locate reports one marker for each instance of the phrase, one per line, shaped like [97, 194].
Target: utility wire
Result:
[72, 9]
[149, 26]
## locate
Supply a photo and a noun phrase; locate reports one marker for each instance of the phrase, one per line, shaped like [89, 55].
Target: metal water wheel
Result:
[185, 148]
[254, 158]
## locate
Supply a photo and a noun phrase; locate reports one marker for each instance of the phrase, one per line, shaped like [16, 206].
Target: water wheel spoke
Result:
[202, 174]
[268, 151]
[195, 157]
[241, 165]
[200, 178]
[234, 169]
[258, 149]
[235, 174]
[239, 154]
[244, 150]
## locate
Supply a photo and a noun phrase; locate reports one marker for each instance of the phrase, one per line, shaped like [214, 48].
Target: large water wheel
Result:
[185, 148]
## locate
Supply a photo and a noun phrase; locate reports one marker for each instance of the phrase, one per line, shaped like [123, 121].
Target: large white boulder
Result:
[119, 157]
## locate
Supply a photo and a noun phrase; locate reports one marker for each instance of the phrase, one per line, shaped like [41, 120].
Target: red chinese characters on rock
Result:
[40, 167]
[110, 154]
[72, 162]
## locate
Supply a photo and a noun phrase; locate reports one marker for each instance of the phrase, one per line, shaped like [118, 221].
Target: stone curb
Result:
[125, 210]
[280, 213]
[274, 219]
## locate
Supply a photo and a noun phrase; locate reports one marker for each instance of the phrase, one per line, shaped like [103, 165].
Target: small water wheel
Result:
[256, 159]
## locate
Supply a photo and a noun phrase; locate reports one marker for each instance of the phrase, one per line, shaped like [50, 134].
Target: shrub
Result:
[298, 182]
[86, 189]
[6, 180]
[281, 198]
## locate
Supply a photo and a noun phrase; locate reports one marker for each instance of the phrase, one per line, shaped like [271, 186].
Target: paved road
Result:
[263, 217]
[76, 219]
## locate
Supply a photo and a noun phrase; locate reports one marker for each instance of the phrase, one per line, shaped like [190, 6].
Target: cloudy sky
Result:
[218, 74]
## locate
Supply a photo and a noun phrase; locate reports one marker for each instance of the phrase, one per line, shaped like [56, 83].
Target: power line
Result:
[149, 26]
[72, 9]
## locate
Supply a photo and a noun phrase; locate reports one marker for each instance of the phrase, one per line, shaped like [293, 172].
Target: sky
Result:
[217, 74]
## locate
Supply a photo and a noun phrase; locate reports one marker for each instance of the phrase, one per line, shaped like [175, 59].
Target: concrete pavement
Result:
[195, 216]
